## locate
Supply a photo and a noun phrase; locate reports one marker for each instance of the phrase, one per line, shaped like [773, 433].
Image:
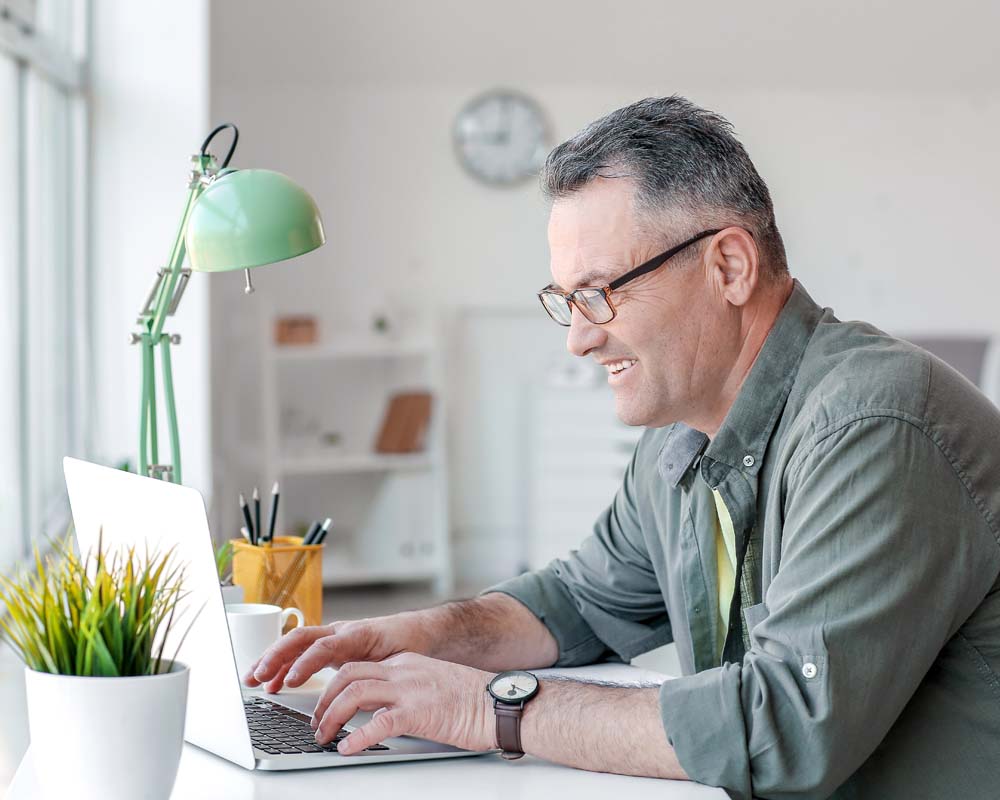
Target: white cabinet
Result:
[578, 456]
[323, 407]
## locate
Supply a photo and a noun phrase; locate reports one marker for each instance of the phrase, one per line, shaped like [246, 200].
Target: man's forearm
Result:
[492, 632]
[599, 728]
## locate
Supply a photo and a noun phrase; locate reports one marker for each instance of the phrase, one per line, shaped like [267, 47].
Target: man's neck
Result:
[757, 324]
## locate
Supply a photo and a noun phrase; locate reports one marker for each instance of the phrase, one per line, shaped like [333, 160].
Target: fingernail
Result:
[293, 675]
[342, 747]
[259, 673]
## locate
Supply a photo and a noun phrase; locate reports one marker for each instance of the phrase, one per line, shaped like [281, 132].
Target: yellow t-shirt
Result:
[725, 559]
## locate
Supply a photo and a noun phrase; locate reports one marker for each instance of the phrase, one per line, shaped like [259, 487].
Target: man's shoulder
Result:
[851, 370]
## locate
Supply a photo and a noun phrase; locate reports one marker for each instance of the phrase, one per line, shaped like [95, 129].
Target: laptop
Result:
[245, 726]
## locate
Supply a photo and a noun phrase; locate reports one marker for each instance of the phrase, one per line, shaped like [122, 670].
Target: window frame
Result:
[61, 65]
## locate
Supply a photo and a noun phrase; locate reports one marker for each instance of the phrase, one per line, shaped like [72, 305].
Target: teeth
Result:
[614, 369]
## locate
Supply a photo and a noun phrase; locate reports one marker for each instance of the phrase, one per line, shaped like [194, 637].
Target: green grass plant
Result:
[224, 561]
[105, 615]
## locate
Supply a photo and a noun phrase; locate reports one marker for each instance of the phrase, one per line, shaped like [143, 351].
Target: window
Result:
[43, 265]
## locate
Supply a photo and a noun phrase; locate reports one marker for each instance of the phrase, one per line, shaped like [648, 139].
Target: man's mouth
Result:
[617, 367]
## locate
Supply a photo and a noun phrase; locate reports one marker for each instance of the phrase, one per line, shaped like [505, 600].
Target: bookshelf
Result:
[323, 406]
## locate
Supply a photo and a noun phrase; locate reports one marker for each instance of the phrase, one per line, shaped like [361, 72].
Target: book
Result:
[404, 427]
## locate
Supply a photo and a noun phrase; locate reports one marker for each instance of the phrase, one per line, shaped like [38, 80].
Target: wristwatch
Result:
[510, 692]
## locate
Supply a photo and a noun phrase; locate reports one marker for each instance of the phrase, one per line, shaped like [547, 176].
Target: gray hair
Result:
[682, 159]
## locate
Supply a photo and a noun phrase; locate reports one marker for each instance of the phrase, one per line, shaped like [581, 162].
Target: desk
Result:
[203, 776]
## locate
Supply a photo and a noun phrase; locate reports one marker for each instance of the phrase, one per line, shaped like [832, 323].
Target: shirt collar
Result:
[747, 428]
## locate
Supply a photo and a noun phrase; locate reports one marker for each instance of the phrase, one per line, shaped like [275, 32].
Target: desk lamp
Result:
[233, 219]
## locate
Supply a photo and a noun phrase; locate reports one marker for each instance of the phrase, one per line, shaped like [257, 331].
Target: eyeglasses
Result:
[595, 303]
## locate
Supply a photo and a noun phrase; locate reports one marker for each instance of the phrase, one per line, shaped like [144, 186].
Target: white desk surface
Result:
[202, 775]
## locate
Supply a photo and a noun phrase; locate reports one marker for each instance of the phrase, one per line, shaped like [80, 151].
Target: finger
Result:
[329, 651]
[391, 722]
[349, 672]
[278, 681]
[286, 650]
[362, 695]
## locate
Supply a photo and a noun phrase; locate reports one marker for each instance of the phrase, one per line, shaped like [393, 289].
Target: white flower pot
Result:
[107, 738]
[232, 594]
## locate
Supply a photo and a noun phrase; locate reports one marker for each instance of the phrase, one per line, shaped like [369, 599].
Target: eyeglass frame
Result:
[644, 268]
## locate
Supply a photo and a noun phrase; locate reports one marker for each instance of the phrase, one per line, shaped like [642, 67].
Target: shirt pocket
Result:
[754, 615]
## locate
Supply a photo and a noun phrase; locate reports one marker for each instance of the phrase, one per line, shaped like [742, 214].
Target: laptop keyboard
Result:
[276, 729]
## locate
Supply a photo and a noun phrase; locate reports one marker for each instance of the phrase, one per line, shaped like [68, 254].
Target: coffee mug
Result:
[254, 627]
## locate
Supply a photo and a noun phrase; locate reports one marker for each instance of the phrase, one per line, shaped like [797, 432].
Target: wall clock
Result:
[501, 137]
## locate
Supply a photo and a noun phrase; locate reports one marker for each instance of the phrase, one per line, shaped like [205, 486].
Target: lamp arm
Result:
[168, 401]
[161, 303]
[165, 299]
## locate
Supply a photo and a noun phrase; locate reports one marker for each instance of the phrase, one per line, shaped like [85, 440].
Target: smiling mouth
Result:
[620, 366]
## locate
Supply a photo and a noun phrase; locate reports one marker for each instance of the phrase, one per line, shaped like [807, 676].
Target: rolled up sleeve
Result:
[603, 599]
[884, 554]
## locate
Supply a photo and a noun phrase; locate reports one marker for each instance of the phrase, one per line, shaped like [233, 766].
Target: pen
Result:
[257, 531]
[246, 518]
[246, 534]
[323, 531]
[274, 513]
[313, 530]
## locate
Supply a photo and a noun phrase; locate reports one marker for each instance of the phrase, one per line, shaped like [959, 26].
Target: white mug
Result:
[254, 627]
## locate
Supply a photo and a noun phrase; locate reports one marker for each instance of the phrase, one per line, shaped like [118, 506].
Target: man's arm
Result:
[493, 632]
[600, 728]
[595, 727]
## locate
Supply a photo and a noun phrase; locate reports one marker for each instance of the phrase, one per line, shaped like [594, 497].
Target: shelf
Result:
[362, 348]
[355, 462]
[348, 574]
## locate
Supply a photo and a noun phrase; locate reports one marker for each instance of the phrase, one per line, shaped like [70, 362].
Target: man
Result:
[812, 515]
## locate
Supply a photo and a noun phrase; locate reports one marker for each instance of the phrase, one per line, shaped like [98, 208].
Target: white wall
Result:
[883, 175]
[150, 112]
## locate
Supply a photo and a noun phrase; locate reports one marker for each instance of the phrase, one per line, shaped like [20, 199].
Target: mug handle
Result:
[292, 612]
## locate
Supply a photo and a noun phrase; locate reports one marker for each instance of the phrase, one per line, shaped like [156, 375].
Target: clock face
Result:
[513, 687]
[501, 137]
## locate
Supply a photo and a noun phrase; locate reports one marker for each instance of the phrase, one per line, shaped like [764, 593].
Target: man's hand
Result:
[410, 694]
[303, 652]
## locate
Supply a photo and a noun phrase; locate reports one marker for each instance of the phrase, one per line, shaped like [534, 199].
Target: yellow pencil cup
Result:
[288, 573]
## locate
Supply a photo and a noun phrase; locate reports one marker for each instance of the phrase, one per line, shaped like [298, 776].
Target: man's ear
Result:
[735, 265]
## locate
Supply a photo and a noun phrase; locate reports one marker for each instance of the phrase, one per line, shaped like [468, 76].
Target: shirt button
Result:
[748, 461]
[809, 670]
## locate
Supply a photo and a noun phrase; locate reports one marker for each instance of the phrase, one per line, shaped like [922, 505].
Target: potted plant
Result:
[105, 708]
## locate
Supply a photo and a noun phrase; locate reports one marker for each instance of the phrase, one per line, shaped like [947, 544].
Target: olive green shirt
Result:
[862, 476]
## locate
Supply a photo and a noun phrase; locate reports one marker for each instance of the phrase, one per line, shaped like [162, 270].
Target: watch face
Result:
[513, 687]
[501, 137]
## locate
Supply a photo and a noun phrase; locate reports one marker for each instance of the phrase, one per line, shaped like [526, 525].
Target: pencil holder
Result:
[288, 573]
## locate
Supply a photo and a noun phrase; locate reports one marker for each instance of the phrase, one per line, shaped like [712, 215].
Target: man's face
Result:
[670, 333]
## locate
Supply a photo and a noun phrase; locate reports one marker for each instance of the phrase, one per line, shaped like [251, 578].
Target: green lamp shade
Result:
[248, 218]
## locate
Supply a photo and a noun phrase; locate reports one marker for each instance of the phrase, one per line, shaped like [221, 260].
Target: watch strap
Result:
[509, 728]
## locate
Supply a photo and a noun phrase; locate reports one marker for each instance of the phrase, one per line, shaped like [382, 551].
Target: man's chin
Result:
[641, 418]
[631, 416]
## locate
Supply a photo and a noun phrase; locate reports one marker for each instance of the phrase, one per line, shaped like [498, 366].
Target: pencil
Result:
[257, 531]
[246, 518]
[274, 513]
[322, 532]
[313, 530]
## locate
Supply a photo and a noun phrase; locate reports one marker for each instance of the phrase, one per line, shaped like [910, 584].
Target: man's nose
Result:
[583, 335]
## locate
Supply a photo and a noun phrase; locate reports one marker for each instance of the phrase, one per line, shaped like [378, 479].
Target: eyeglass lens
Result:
[592, 303]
